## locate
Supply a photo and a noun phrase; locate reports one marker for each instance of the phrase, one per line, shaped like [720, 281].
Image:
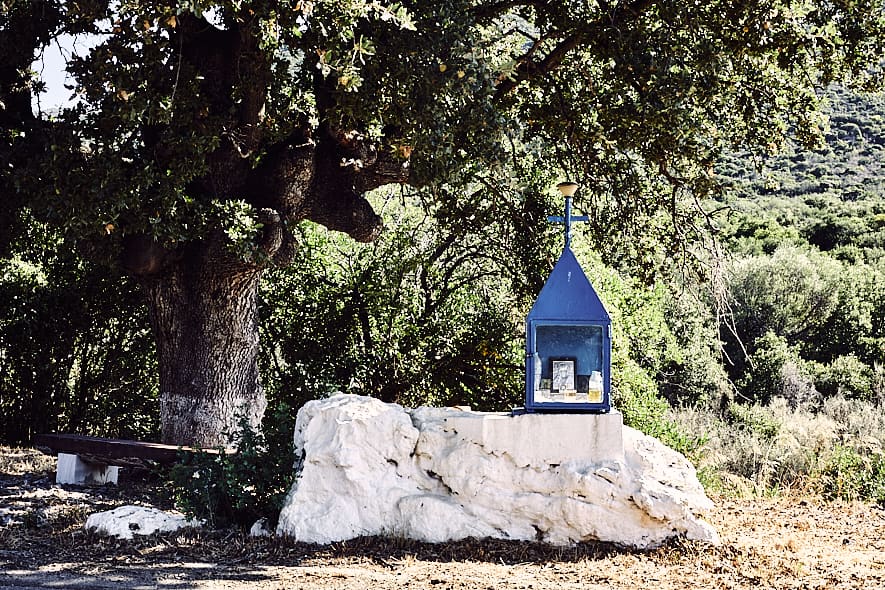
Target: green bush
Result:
[76, 352]
[635, 395]
[791, 294]
[848, 376]
[801, 313]
[422, 316]
[776, 370]
[851, 474]
[756, 419]
[240, 488]
[695, 376]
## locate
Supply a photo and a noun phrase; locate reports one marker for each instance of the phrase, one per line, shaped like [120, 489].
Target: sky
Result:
[50, 67]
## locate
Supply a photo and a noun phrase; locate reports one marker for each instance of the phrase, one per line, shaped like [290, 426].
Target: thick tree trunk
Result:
[202, 297]
[205, 321]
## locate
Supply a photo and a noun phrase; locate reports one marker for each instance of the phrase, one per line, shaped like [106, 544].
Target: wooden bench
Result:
[95, 460]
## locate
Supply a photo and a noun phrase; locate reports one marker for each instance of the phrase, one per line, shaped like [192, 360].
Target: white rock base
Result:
[126, 521]
[74, 470]
[440, 474]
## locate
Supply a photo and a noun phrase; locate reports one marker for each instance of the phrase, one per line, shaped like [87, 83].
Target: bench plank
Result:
[112, 450]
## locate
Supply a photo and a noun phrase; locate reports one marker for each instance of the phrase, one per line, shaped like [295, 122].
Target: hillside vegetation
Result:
[804, 333]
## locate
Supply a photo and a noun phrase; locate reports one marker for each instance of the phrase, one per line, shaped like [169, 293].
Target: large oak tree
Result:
[203, 131]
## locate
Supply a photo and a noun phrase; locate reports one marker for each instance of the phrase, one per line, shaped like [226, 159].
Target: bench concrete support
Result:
[74, 470]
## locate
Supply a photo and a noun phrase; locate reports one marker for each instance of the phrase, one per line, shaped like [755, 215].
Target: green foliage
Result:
[76, 353]
[240, 225]
[636, 397]
[799, 314]
[847, 376]
[851, 474]
[467, 87]
[762, 449]
[422, 316]
[224, 489]
[853, 327]
[755, 419]
[695, 376]
[775, 370]
[792, 293]
[754, 235]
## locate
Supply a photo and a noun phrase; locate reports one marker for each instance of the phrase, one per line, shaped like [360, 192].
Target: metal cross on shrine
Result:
[568, 190]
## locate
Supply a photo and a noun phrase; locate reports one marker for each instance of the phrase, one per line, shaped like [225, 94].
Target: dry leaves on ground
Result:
[801, 543]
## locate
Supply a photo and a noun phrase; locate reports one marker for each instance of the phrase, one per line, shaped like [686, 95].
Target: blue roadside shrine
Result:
[568, 336]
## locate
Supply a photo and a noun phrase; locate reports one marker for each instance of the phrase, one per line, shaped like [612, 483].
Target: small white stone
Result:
[259, 529]
[126, 521]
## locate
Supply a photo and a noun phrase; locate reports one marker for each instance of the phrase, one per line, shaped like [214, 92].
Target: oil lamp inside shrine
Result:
[568, 336]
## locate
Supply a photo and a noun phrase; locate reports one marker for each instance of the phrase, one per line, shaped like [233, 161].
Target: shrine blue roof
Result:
[568, 295]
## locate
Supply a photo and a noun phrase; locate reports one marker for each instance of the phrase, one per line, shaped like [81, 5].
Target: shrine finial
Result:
[568, 190]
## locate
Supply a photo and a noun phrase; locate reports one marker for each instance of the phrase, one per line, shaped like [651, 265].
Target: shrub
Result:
[76, 352]
[776, 370]
[837, 451]
[635, 395]
[848, 376]
[422, 316]
[240, 488]
[850, 474]
[789, 293]
[695, 376]
[756, 419]
[861, 422]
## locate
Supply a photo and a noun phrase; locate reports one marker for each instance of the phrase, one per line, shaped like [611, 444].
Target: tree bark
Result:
[205, 320]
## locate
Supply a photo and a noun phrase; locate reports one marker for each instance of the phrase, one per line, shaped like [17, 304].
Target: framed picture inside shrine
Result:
[562, 371]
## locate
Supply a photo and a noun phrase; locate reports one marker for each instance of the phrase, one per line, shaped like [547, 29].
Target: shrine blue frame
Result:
[567, 300]
[586, 407]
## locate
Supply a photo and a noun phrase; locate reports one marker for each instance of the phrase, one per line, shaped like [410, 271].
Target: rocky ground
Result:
[789, 542]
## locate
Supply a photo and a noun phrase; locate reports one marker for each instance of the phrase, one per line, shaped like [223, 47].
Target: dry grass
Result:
[765, 449]
[30, 462]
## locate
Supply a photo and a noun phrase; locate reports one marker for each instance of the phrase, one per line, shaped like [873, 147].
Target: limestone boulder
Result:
[438, 474]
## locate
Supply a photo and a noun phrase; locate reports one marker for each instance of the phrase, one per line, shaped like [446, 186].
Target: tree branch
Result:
[24, 29]
[347, 165]
[528, 68]
[285, 176]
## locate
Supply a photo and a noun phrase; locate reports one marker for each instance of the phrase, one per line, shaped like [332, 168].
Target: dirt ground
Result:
[801, 543]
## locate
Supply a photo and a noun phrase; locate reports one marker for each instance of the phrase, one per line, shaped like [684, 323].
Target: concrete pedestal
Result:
[543, 439]
[73, 470]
